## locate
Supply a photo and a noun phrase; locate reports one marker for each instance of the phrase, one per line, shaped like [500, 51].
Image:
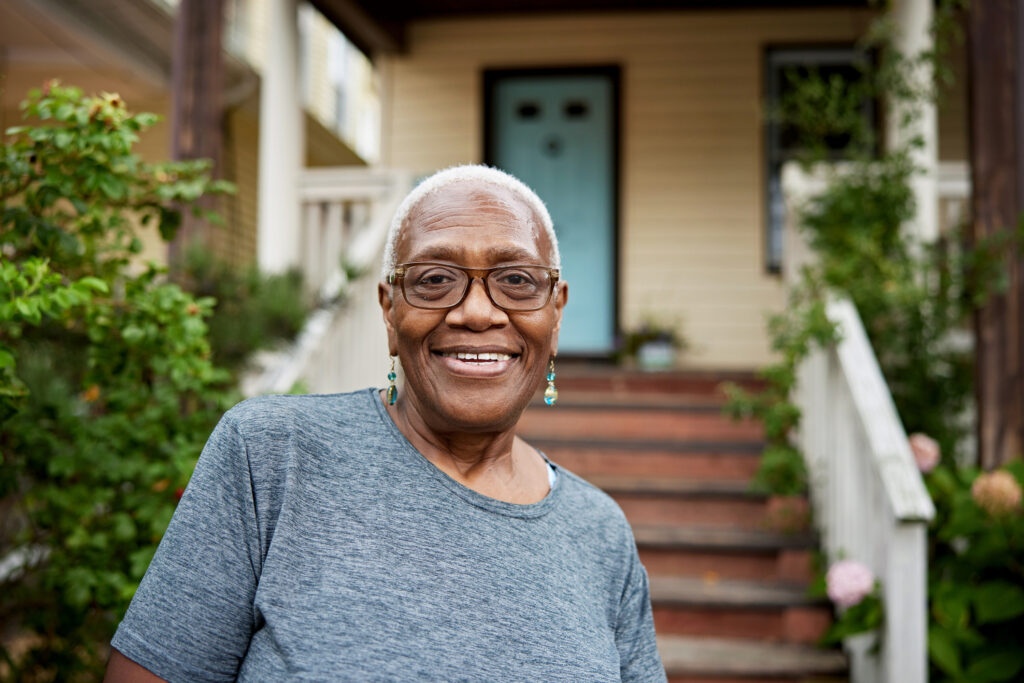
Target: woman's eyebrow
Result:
[443, 252]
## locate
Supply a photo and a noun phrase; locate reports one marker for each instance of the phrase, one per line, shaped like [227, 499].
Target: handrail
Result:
[877, 414]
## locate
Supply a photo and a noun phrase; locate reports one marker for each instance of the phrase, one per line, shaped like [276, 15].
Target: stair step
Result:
[740, 609]
[674, 500]
[677, 487]
[725, 553]
[714, 538]
[784, 565]
[591, 400]
[746, 512]
[691, 460]
[726, 610]
[637, 424]
[620, 381]
[675, 590]
[726, 660]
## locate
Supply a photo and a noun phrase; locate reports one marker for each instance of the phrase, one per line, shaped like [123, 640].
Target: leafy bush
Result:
[107, 391]
[976, 572]
[253, 310]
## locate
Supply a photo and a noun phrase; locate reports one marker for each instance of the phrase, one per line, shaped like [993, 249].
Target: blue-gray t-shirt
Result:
[315, 543]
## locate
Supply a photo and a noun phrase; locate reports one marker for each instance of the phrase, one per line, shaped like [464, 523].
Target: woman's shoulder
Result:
[588, 502]
[298, 412]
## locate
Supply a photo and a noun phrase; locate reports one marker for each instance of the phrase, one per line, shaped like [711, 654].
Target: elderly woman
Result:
[406, 533]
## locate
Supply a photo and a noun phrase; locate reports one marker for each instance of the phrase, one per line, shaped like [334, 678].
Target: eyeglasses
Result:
[524, 287]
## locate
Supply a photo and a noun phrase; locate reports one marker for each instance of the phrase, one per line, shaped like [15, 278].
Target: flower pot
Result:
[656, 355]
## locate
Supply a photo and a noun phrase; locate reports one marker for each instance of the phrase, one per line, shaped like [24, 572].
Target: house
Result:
[642, 126]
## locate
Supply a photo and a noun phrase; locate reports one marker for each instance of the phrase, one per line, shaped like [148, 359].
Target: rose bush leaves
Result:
[107, 389]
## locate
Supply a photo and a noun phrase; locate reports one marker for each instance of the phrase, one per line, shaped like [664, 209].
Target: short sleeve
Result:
[192, 616]
[634, 632]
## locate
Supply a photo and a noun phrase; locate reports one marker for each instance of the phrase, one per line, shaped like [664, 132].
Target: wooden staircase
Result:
[729, 594]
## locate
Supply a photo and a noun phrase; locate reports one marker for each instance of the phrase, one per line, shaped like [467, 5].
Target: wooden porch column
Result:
[281, 141]
[197, 84]
[913, 19]
[995, 37]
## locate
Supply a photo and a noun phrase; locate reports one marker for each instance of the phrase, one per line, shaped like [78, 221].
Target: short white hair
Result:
[475, 173]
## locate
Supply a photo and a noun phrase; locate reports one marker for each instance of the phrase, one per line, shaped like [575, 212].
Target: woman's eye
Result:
[434, 278]
[516, 279]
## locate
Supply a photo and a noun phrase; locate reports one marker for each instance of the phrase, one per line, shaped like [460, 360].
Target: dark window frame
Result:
[776, 59]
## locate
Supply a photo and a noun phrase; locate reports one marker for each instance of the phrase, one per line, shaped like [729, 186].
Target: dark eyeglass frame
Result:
[398, 276]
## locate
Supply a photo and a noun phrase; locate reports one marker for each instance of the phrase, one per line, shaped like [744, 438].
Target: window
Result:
[782, 141]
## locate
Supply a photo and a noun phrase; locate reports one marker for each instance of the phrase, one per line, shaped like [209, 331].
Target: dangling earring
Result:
[551, 393]
[392, 389]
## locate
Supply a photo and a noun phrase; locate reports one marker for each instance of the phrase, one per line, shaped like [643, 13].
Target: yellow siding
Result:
[691, 148]
[235, 241]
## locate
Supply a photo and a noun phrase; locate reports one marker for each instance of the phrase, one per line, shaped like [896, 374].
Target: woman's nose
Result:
[477, 311]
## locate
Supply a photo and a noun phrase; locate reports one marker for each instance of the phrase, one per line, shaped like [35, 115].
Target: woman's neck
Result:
[496, 464]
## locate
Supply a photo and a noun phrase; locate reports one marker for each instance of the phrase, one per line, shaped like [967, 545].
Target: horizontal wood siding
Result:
[692, 161]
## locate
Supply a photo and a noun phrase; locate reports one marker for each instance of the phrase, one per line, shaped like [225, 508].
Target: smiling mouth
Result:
[481, 358]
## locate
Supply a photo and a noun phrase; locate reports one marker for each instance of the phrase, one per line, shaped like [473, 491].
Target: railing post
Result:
[913, 21]
[906, 604]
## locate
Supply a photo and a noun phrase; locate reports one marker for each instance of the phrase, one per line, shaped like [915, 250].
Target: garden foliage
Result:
[914, 299]
[253, 310]
[107, 389]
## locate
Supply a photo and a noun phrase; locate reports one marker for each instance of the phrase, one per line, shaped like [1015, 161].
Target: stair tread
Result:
[752, 446]
[688, 487]
[684, 655]
[678, 590]
[640, 401]
[719, 538]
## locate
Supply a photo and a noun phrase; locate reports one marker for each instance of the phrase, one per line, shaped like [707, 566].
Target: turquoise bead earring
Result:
[551, 393]
[392, 389]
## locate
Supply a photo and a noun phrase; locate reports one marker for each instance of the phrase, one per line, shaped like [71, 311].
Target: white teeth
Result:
[478, 356]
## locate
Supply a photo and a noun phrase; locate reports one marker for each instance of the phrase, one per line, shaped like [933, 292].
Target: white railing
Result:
[869, 499]
[343, 346]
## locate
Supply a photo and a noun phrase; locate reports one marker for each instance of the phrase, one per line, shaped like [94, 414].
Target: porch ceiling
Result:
[379, 27]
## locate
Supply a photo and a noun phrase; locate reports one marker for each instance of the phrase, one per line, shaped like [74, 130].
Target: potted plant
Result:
[652, 345]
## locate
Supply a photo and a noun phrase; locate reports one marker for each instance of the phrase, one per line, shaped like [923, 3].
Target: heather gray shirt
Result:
[315, 543]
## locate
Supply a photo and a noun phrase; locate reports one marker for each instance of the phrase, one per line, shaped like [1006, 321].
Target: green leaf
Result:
[942, 650]
[123, 527]
[95, 284]
[111, 187]
[6, 359]
[1001, 665]
[998, 601]
[132, 334]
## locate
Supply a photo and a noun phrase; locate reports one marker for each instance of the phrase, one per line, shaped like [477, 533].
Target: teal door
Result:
[557, 134]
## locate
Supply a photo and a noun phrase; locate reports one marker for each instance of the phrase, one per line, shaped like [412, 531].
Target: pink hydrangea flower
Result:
[997, 492]
[926, 452]
[848, 582]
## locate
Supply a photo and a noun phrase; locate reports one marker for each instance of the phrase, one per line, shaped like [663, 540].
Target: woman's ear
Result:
[387, 307]
[561, 298]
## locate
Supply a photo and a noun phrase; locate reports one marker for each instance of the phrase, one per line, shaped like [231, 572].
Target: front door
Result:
[556, 132]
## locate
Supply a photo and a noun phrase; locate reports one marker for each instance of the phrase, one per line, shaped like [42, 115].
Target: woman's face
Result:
[476, 226]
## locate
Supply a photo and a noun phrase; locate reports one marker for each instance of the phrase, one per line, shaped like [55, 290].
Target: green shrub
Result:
[253, 311]
[107, 391]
